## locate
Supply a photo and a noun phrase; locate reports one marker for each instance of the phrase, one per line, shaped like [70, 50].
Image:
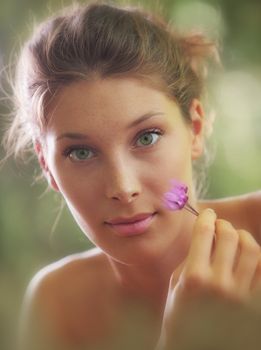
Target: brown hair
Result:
[102, 40]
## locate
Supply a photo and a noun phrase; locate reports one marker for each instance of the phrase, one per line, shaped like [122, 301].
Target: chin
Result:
[139, 252]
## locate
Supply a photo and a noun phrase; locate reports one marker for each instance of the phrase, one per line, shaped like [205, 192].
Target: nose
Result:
[122, 183]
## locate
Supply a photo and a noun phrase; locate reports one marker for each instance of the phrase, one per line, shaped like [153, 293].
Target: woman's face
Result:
[111, 148]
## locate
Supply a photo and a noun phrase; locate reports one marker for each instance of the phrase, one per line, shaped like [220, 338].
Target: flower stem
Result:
[189, 208]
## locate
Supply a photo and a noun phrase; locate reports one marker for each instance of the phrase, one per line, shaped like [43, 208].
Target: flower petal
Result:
[177, 197]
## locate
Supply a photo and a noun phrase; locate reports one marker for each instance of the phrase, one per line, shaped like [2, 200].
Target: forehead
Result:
[106, 103]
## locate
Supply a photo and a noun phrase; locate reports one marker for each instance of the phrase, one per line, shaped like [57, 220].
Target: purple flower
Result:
[176, 198]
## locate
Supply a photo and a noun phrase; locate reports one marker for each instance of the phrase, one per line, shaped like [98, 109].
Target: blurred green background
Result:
[30, 237]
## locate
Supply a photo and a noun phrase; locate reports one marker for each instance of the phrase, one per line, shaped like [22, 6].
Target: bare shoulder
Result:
[67, 274]
[61, 297]
[243, 211]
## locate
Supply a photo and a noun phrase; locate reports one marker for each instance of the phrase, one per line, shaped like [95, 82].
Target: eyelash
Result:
[68, 151]
[156, 131]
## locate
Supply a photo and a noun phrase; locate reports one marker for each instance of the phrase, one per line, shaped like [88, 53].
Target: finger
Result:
[226, 246]
[201, 242]
[247, 262]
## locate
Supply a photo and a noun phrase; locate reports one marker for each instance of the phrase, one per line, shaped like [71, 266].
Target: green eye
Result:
[148, 138]
[80, 154]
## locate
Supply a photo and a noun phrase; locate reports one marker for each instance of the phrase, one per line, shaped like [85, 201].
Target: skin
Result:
[122, 177]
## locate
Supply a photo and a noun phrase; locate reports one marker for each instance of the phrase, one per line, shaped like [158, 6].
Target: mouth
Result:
[134, 225]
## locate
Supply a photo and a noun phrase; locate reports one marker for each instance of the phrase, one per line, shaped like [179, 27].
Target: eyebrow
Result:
[80, 136]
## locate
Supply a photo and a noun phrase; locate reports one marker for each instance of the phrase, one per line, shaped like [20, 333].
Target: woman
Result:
[110, 98]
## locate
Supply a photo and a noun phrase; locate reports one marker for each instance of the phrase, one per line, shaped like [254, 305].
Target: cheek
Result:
[78, 189]
[173, 162]
[82, 200]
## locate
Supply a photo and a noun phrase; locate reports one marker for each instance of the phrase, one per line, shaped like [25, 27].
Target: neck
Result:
[150, 281]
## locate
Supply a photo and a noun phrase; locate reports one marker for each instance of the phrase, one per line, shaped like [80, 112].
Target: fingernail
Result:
[209, 210]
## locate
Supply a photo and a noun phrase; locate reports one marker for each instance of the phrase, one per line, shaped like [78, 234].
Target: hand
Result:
[222, 270]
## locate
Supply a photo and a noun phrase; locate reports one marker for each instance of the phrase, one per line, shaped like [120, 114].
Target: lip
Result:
[134, 225]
